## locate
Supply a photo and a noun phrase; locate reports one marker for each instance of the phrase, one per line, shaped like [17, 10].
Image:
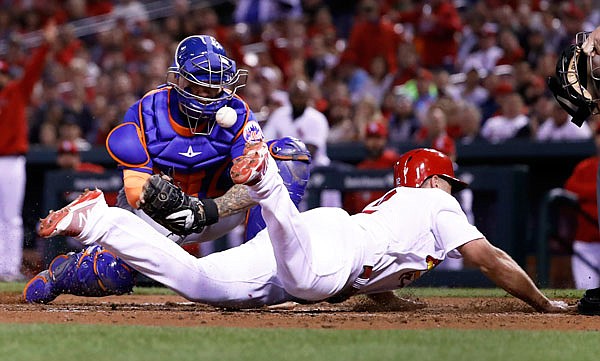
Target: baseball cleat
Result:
[251, 166]
[70, 220]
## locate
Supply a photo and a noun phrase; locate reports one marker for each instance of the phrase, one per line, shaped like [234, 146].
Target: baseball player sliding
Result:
[321, 254]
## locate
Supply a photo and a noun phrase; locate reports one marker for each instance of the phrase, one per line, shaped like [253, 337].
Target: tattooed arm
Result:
[235, 200]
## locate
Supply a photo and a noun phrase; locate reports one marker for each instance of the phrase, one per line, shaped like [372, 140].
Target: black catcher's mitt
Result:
[178, 212]
[589, 304]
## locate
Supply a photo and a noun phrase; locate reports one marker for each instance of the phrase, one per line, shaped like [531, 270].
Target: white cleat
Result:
[70, 220]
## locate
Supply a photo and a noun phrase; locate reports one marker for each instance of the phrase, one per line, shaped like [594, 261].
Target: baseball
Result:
[226, 117]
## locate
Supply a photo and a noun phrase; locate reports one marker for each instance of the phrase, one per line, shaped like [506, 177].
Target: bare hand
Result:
[591, 46]
[557, 306]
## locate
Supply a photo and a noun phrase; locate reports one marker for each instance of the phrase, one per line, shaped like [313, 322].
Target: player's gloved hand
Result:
[170, 207]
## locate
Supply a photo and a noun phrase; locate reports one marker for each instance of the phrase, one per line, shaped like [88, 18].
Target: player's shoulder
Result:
[239, 104]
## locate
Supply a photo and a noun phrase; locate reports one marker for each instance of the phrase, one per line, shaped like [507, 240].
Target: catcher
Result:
[576, 87]
[188, 129]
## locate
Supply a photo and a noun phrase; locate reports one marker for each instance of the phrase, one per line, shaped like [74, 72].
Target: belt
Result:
[358, 283]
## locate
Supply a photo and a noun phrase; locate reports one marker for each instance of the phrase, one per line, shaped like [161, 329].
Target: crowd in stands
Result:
[468, 71]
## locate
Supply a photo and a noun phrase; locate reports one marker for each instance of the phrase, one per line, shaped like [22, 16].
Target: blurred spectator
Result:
[559, 128]
[496, 92]
[445, 88]
[474, 18]
[365, 112]
[341, 126]
[512, 52]
[256, 99]
[353, 76]
[271, 82]
[437, 25]
[372, 35]
[487, 53]
[408, 63]
[535, 46]
[585, 261]
[378, 157]
[15, 95]
[434, 135]
[320, 59]
[132, 12]
[301, 120]
[402, 122]
[69, 129]
[451, 107]
[257, 12]
[378, 82]
[470, 116]
[69, 157]
[422, 91]
[511, 123]
[471, 89]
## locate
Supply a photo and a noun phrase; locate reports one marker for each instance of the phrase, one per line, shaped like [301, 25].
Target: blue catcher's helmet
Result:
[205, 79]
[293, 160]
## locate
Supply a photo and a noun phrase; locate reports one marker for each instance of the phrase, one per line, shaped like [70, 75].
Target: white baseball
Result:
[226, 117]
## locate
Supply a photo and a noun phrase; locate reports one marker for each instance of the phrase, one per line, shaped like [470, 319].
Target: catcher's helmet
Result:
[293, 160]
[415, 166]
[201, 60]
[575, 86]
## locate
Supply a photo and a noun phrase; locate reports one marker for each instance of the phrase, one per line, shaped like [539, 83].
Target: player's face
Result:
[203, 91]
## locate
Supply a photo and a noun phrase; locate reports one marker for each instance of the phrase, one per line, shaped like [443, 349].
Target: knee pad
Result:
[113, 274]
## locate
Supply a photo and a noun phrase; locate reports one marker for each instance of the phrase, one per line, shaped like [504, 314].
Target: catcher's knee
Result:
[113, 274]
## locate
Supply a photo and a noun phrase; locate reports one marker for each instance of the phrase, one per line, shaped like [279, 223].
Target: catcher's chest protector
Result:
[199, 159]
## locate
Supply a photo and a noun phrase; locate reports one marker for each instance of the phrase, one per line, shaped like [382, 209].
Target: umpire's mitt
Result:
[589, 304]
[178, 212]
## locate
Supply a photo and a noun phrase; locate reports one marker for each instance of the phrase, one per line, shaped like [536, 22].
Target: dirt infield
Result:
[357, 313]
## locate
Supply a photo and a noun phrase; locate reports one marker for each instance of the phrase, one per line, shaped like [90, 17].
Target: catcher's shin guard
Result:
[93, 272]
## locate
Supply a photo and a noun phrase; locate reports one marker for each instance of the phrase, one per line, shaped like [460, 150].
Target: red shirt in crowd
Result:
[435, 38]
[370, 39]
[583, 183]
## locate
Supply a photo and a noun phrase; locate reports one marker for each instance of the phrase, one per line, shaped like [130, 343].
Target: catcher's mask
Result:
[200, 61]
[415, 166]
[575, 86]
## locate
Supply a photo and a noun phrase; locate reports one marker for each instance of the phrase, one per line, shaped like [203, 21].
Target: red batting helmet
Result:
[415, 166]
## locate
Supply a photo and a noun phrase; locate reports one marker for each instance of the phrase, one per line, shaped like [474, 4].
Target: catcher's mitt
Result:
[178, 212]
[589, 304]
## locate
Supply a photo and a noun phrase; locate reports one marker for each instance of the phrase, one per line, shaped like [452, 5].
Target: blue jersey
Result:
[152, 139]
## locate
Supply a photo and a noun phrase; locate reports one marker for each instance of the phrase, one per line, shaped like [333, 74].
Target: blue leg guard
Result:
[93, 272]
